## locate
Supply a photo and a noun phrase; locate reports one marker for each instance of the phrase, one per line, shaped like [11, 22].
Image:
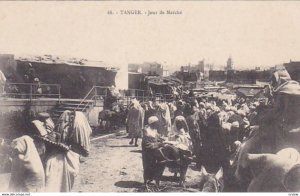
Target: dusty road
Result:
[116, 166]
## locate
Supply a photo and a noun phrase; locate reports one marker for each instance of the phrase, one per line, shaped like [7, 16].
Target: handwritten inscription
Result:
[144, 12]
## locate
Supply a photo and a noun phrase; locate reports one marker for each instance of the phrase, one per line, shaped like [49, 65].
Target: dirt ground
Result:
[116, 166]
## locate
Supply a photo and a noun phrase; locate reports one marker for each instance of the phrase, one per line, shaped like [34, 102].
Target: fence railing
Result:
[100, 93]
[96, 93]
[130, 94]
[144, 95]
[31, 90]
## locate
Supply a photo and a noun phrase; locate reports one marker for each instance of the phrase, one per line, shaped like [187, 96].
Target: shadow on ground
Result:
[116, 146]
[128, 184]
[136, 151]
[170, 178]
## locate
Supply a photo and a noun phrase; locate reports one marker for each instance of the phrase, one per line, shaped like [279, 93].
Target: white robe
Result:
[61, 170]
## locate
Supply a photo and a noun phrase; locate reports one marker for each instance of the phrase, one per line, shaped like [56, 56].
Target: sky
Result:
[262, 33]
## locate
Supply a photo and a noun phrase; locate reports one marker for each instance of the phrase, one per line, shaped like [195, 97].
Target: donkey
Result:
[177, 166]
[207, 182]
[211, 182]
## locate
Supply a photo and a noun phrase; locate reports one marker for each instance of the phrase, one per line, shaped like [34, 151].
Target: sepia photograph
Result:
[149, 96]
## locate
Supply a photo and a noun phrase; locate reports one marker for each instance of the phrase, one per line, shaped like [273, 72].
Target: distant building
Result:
[229, 64]
[136, 80]
[189, 68]
[148, 68]
[184, 69]
[293, 67]
[242, 77]
[201, 66]
[8, 65]
[204, 69]
[201, 69]
[75, 76]
[134, 68]
[217, 75]
[166, 72]
[263, 75]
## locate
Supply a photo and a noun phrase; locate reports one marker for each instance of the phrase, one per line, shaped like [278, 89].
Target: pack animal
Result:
[211, 182]
[176, 166]
[112, 118]
[278, 172]
[207, 182]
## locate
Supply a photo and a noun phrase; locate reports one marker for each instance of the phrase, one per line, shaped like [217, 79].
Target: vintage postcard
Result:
[149, 96]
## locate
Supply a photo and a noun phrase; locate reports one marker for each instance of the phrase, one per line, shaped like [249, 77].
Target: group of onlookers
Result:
[47, 159]
[207, 130]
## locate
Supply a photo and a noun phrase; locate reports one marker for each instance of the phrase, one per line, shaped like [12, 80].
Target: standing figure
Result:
[194, 131]
[158, 154]
[150, 145]
[2, 82]
[180, 134]
[163, 114]
[27, 169]
[135, 122]
[215, 150]
[37, 88]
[179, 109]
[72, 140]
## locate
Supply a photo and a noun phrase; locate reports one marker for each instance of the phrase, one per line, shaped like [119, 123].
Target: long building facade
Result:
[75, 77]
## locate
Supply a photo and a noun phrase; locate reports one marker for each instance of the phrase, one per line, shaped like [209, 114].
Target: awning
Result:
[248, 92]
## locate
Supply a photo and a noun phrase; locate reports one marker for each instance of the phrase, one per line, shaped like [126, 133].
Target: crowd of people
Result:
[207, 130]
[211, 130]
[47, 159]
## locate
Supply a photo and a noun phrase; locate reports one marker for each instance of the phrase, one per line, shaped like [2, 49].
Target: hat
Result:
[180, 118]
[241, 112]
[135, 102]
[230, 113]
[216, 108]
[235, 124]
[52, 139]
[208, 105]
[49, 139]
[233, 108]
[152, 119]
[256, 103]
[180, 102]
[252, 107]
[43, 115]
[40, 127]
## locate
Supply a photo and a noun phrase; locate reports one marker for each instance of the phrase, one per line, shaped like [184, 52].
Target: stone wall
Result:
[16, 115]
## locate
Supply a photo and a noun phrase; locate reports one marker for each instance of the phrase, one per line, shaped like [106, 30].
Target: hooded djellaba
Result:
[194, 131]
[135, 121]
[69, 140]
[150, 153]
[163, 114]
[27, 172]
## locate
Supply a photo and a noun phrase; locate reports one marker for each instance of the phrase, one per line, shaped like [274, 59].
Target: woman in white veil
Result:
[180, 134]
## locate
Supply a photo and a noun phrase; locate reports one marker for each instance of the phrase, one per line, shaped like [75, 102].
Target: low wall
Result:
[16, 115]
[94, 113]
